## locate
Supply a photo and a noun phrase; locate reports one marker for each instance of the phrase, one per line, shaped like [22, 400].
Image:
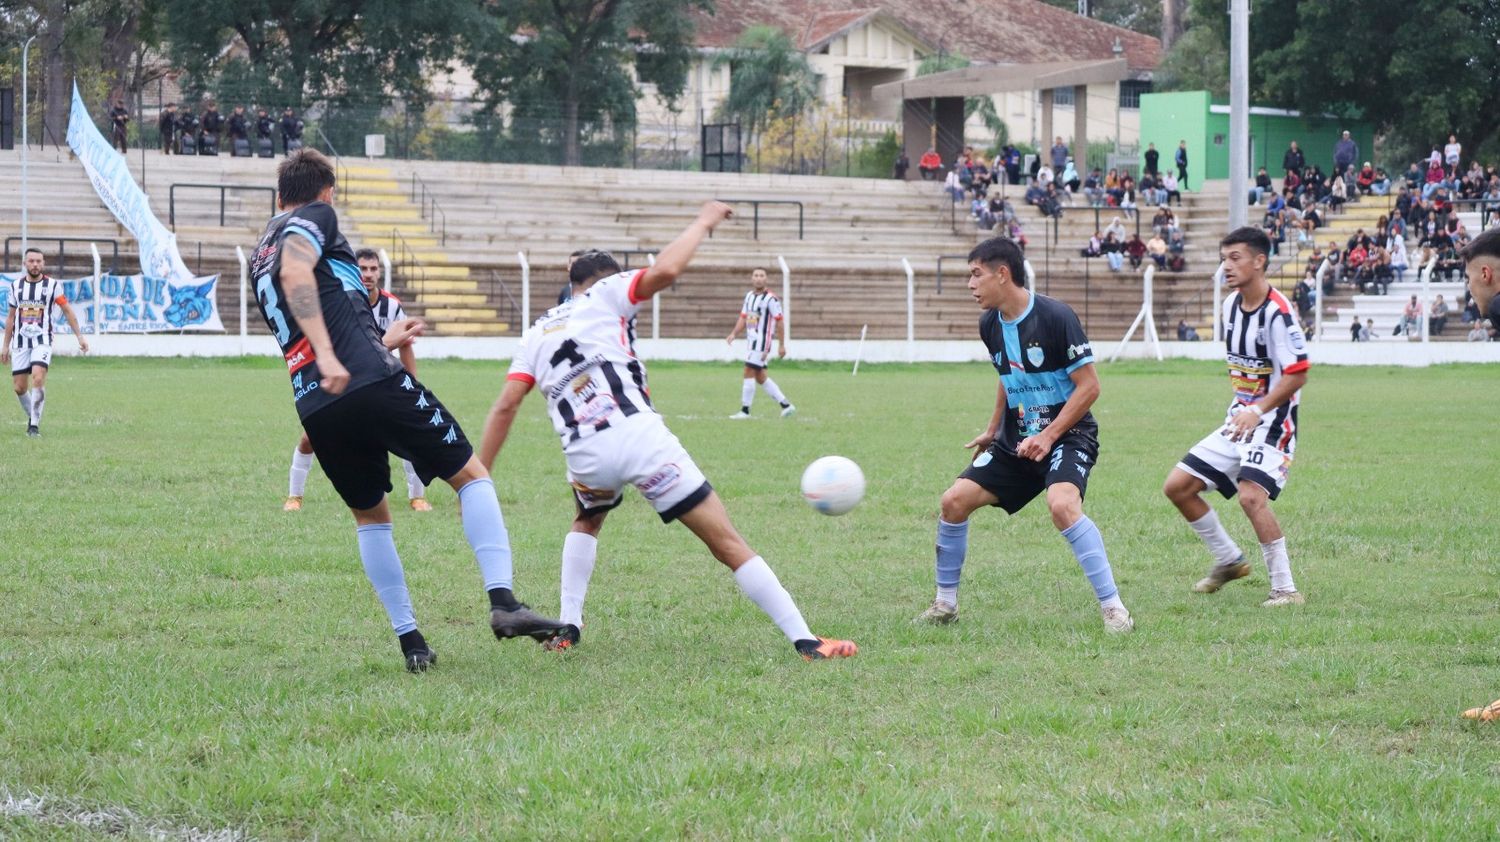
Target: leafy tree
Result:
[1143, 16]
[563, 67]
[984, 106]
[770, 79]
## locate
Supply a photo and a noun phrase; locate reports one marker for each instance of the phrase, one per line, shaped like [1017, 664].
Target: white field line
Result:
[59, 812]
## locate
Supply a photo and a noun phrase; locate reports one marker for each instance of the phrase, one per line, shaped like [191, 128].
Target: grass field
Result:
[177, 647]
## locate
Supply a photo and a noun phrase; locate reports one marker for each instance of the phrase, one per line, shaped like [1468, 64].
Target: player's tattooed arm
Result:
[298, 258]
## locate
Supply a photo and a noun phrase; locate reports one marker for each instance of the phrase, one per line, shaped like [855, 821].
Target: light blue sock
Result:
[485, 528]
[952, 546]
[1088, 546]
[377, 549]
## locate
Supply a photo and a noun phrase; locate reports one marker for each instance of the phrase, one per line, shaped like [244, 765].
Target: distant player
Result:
[357, 404]
[1482, 265]
[1041, 438]
[759, 316]
[1250, 453]
[386, 309]
[28, 336]
[581, 357]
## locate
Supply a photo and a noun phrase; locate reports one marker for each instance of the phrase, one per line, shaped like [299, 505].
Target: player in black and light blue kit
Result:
[1041, 437]
[357, 403]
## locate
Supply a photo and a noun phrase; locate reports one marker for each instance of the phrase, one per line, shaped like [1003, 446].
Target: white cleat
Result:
[739, 416]
[939, 613]
[1284, 598]
[788, 411]
[1117, 620]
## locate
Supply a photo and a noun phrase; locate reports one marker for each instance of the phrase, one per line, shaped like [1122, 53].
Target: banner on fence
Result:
[108, 172]
[134, 303]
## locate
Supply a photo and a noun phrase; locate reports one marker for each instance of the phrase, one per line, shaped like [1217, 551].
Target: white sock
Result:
[1112, 602]
[747, 392]
[38, 401]
[774, 391]
[301, 464]
[758, 582]
[1223, 548]
[579, 551]
[1278, 565]
[25, 399]
[415, 490]
[948, 595]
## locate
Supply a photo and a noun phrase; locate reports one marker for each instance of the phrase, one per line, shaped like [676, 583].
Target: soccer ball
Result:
[833, 485]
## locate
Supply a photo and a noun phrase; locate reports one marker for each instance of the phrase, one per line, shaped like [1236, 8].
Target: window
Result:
[1130, 92]
[1062, 96]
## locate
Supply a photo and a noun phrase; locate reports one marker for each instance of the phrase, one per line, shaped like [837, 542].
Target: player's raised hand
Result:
[335, 376]
[713, 213]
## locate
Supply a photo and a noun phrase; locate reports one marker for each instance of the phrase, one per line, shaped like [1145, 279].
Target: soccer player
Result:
[357, 404]
[761, 310]
[1041, 437]
[386, 309]
[1482, 265]
[581, 357]
[1250, 453]
[28, 335]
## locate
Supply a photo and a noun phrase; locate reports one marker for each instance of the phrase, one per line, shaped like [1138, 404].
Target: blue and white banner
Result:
[118, 191]
[134, 304]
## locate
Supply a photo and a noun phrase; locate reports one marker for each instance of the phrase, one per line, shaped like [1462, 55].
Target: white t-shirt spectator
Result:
[1044, 176]
[1452, 152]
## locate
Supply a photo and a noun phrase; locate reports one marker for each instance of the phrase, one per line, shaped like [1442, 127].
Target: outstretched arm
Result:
[673, 260]
[502, 415]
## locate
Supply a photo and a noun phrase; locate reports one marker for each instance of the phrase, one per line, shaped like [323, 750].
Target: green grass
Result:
[176, 645]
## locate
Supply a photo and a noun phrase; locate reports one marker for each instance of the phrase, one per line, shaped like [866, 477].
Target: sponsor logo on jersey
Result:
[582, 383]
[573, 374]
[299, 391]
[1035, 355]
[1295, 334]
[1076, 351]
[299, 356]
[659, 483]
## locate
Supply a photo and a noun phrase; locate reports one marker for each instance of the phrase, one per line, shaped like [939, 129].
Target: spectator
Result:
[1439, 314]
[1093, 189]
[1135, 249]
[119, 117]
[1182, 165]
[1293, 161]
[1303, 296]
[903, 163]
[1381, 185]
[1357, 331]
[1365, 179]
[291, 131]
[1111, 180]
[1262, 187]
[1016, 234]
[213, 124]
[1344, 154]
[1368, 331]
[929, 165]
[953, 185]
[1163, 222]
[239, 129]
[1335, 261]
[1413, 176]
[1117, 228]
[981, 177]
[187, 130]
[1292, 183]
[1478, 332]
[1095, 246]
[1070, 178]
[1470, 310]
[1036, 166]
[1059, 155]
[1169, 189]
[1177, 244]
[1337, 194]
[1411, 318]
[1186, 332]
[1052, 205]
[264, 128]
[979, 211]
[1035, 195]
[166, 124]
[1452, 153]
[1045, 176]
[1001, 208]
[1153, 159]
[1157, 250]
[1150, 196]
[1012, 164]
[1114, 252]
[1435, 180]
[1127, 196]
[1398, 258]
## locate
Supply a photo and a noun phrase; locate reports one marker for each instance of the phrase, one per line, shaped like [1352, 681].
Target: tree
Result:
[769, 79]
[559, 65]
[1143, 16]
[984, 106]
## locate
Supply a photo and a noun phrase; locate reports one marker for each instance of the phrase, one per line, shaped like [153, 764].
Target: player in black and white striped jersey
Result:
[1250, 454]
[28, 335]
[386, 309]
[760, 317]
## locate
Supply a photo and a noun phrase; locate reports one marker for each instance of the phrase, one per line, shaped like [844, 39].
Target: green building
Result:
[1168, 119]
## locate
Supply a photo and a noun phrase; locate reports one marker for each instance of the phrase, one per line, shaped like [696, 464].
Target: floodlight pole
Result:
[525, 290]
[655, 305]
[1239, 112]
[786, 299]
[25, 134]
[1218, 303]
[1318, 301]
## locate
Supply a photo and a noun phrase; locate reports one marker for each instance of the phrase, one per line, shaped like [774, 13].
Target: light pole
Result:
[1239, 111]
[1118, 50]
[25, 137]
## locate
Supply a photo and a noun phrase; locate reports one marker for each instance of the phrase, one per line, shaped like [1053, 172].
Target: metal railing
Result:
[427, 199]
[223, 192]
[59, 265]
[628, 253]
[405, 264]
[755, 213]
[340, 172]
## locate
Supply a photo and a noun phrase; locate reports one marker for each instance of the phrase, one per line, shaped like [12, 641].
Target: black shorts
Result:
[1016, 481]
[352, 436]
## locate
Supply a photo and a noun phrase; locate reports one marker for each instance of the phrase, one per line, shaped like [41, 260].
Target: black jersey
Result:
[1035, 356]
[345, 302]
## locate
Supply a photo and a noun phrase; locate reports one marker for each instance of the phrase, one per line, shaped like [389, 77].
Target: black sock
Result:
[806, 646]
[745, 409]
[503, 598]
[785, 404]
[412, 641]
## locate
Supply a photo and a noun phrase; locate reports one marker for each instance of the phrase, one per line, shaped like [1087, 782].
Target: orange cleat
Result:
[1488, 713]
[830, 649]
[420, 504]
[292, 504]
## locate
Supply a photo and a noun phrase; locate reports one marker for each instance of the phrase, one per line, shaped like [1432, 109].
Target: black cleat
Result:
[34, 431]
[418, 660]
[564, 640]
[521, 621]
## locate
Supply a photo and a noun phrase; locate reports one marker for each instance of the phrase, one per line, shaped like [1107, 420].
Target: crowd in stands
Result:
[188, 133]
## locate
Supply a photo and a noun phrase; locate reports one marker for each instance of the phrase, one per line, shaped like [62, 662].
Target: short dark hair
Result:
[302, 176]
[1001, 251]
[580, 252]
[592, 265]
[1250, 236]
[1487, 244]
[366, 254]
[759, 269]
[31, 250]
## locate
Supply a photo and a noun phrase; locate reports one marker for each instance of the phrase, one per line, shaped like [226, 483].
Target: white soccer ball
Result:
[833, 485]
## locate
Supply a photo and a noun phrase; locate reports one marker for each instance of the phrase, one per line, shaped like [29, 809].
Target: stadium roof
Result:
[979, 80]
[984, 31]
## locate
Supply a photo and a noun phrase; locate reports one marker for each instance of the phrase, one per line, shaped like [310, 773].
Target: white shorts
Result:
[641, 452]
[1223, 464]
[757, 359]
[22, 359]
